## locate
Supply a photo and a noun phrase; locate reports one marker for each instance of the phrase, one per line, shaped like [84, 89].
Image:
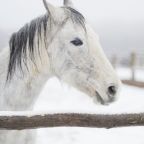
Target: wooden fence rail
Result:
[71, 120]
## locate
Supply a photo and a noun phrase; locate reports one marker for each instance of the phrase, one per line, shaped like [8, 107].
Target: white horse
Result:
[59, 43]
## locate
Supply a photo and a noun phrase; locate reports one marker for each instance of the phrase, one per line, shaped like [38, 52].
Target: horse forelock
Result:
[23, 41]
[76, 17]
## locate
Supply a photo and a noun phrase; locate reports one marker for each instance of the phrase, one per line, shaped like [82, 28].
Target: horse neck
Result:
[21, 93]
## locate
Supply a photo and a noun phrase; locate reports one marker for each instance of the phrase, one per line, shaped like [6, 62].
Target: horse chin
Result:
[99, 100]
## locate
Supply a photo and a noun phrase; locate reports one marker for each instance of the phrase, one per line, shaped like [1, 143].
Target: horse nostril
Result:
[112, 90]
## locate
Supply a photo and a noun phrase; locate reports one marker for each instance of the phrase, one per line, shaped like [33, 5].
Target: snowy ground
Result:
[57, 97]
[125, 73]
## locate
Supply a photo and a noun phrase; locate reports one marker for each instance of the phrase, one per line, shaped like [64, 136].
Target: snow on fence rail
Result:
[19, 122]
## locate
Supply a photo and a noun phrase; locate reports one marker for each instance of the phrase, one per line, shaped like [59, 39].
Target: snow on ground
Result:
[57, 97]
[125, 73]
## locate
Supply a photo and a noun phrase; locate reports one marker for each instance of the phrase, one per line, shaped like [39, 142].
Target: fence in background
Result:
[134, 61]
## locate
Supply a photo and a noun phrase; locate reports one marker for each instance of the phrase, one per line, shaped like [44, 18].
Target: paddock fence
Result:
[27, 121]
[134, 62]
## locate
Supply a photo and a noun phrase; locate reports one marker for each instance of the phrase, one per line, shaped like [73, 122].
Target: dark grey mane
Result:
[76, 17]
[23, 41]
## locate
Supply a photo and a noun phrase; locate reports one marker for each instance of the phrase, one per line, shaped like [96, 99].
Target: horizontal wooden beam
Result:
[134, 83]
[71, 120]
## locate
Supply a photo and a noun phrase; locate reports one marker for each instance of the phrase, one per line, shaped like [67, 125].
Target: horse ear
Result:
[55, 12]
[49, 7]
[68, 3]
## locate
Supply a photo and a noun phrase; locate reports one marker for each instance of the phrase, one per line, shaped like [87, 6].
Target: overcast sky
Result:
[15, 13]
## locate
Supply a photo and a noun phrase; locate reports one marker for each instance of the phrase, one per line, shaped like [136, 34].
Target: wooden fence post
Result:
[114, 61]
[132, 65]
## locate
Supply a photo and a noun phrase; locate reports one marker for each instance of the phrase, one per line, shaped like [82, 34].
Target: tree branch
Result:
[71, 120]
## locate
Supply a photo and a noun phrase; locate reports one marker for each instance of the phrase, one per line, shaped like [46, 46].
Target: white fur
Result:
[84, 67]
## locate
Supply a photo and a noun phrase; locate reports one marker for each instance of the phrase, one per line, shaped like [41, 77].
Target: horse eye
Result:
[77, 42]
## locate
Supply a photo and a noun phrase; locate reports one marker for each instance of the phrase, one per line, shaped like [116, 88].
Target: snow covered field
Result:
[57, 97]
[125, 73]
